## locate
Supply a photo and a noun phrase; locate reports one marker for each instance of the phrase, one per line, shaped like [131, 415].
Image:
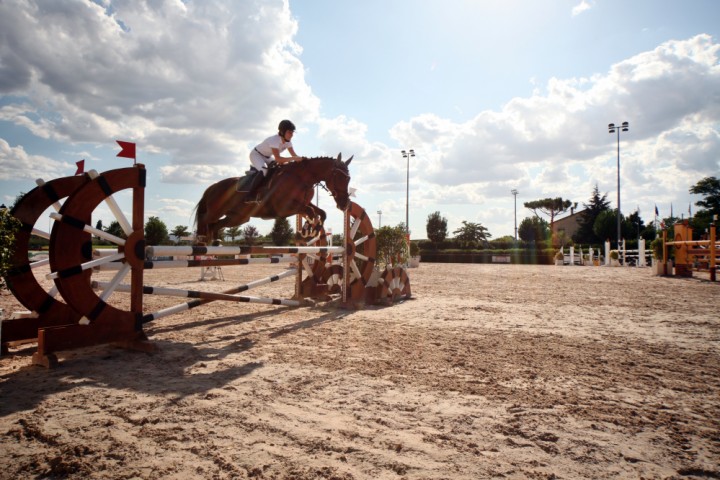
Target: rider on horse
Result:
[266, 154]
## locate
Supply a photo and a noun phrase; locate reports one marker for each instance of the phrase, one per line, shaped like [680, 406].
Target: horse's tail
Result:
[199, 216]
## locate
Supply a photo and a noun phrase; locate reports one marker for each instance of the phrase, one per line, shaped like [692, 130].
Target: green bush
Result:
[9, 226]
[657, 248]
[391, 246]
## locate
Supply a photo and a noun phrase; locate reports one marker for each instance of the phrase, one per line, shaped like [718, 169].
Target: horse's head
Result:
[337, 182]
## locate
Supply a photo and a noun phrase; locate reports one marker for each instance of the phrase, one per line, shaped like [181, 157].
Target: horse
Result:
[288, 191]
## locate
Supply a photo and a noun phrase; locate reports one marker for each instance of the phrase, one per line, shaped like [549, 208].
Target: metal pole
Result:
[407, 198]
[612, 128]
[407, 155]
[618, 190]
[515, 193]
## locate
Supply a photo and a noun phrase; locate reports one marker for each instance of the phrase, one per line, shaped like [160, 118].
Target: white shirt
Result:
[263, 153]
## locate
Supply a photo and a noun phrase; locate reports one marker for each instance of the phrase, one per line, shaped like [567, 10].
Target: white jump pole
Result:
[607, 253]
[641, 252]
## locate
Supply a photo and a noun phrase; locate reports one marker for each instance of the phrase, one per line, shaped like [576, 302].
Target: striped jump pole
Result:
[174, 292]
[202, 301]
[222, 262]
[160, 251]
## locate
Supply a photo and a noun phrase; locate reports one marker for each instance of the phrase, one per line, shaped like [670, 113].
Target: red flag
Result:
[128, 149]
[80, 167]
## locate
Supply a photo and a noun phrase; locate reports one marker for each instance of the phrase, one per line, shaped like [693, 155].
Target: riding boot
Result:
[255, 184]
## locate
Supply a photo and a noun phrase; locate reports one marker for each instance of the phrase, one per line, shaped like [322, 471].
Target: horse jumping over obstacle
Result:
[288, 192]
[86, 318]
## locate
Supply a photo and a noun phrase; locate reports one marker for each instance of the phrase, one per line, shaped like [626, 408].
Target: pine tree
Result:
[597, 205]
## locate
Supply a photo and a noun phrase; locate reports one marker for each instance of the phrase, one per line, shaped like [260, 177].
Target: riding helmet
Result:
[284, 126]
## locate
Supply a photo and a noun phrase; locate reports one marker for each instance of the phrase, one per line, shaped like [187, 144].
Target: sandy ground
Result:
[491, 371]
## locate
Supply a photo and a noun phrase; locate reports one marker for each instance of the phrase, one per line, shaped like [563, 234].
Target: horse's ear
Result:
[339, 159]
[349, 160]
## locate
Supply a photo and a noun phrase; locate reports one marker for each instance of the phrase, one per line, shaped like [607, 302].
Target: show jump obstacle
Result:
[700, 255]
[84, 315]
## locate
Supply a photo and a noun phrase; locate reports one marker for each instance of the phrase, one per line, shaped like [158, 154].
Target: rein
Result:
[322, 183]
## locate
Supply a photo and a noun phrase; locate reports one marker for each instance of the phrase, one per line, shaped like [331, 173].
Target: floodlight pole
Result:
[515, 194]
[407, 155]
[613, 129]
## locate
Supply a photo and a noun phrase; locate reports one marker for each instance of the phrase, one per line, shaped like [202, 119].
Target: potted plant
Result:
[657, 261]
[414, 255]
[614, 258]
[559, 258]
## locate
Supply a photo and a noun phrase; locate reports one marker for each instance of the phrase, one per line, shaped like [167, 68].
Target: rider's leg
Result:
[255, 186]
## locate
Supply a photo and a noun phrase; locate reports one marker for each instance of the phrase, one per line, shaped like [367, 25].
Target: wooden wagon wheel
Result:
[333, 278]
[71, 253]
[21, 280]
[395, 284]
[312, 234]
[361, 248]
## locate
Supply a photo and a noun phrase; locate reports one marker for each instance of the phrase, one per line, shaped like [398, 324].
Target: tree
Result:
[281, 233]
[98, 225]
[533, 229]
[156, 232]
[595, 207]
[115, 229]
[180, 231]
[709, 205]
[233, 232]
[391, 245]
[436, 228]
[250, 234]
[550, 207]
[710, 187]
[471, 234]
[606, 226]
[637, 224]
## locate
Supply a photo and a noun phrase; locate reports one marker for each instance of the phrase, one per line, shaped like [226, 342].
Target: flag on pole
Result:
[80, 167]
[127, 149]
[656, 211]
[689, 210]
[671, 211]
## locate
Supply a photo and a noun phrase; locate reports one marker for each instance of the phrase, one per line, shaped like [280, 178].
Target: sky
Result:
[491, 95]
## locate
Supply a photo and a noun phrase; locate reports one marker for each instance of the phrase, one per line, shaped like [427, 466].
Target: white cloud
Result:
[198, 80]
[666, 94]
[16, 164]
[583, 6]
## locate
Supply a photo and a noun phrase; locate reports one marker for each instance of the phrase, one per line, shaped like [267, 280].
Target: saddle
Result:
[253, 179]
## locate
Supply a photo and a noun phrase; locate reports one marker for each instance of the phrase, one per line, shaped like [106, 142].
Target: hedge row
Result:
[525, 257]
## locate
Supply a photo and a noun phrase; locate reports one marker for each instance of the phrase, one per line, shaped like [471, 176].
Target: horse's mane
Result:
[294, 165]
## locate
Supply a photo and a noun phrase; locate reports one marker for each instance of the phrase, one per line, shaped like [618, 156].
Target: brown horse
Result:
[287, 192]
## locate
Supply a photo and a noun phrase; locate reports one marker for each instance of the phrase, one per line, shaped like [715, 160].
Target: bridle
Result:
[336, 171]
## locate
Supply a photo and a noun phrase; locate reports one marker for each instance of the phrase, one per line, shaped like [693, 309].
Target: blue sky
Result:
[491, 95]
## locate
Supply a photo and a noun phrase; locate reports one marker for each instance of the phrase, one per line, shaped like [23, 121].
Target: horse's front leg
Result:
[316, 219]
[316, 213]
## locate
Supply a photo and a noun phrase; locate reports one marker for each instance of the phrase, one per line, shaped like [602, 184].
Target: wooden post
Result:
[298, 276]
[346, 265]
[713, 252]
[665, 252]
[138, 225]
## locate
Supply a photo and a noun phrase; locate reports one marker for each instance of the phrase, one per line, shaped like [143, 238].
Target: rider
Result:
[267, 153]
